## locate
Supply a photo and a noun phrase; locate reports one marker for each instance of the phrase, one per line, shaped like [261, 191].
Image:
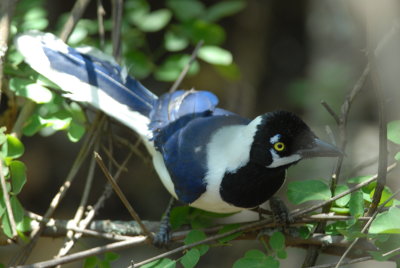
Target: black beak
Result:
[321, 149]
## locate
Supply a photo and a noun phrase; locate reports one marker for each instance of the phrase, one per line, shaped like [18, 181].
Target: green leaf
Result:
[359, 179]
[393, 131]
[6, 226]
[161, 263]
[33, 125]
[179, 216]
[171, 68]
[186, 10]
[342, 202]
[140, 64]
[256, 259]
[228, 228]
[24, 225]
[17, 209]
[211, 34]
[154, 21]
[18, 176]
[175, 42]
[356, 204]
[111, 256]
[387, 222]
[307, 190]
[281, 254]
[215, 55]
[90, 262]
[34, 19]
[18, 212]
[31, 90]
[224, 9]
[386, 194]
[195, 236]
[13, 147]
[75, 131]
[277, 241]
[191, 258]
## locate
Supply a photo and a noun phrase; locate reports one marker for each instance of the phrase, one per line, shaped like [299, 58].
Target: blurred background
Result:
[287, 55]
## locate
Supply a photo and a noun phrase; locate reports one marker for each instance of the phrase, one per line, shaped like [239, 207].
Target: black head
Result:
[283, 139]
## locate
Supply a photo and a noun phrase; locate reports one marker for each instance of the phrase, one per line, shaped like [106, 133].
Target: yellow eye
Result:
[279, 146]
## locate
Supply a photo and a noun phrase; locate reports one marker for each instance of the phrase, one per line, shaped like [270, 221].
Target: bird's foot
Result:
[162, 238]
[280, 212]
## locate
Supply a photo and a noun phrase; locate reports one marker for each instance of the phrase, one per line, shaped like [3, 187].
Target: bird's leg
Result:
[261, 211]
[163, 236]
[280, 211]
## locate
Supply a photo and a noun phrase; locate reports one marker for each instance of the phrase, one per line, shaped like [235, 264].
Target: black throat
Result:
[251, 185]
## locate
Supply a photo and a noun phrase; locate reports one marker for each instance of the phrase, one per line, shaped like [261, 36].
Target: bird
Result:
[207, 157]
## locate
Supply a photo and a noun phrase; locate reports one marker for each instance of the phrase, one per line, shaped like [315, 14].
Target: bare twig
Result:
[383, 151]
[24, 114]
[182, 75]
[69, 240]
[87, 253]
[74, 17]
[117, 9]
[121, 195]
[6, 198]
[331, 112]
[100, 19]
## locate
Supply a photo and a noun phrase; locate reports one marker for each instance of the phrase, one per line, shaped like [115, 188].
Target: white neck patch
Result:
[278, 161]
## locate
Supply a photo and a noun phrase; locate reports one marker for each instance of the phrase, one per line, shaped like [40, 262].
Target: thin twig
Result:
[6, 198]
[383, 151]
[331, 111]
[74, 17]
[182, 75]
[100, 19]
[121, 195]
[24, 114]
[117, 10]
[69, 239]
[332, 265]
[87, 253]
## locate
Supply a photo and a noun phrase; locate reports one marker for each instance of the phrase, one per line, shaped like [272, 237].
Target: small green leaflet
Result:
[393, 131]
[196, 236]
[191, 258]
[18, 176]
[387, 222]
[356, 204]
[13, 147]
[342, 202]
[256, 259]
[215, 55]
[31, 90]
[307, 190]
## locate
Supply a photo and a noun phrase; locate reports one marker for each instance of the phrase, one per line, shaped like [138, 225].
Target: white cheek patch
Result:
[278, 161]
[275, 139]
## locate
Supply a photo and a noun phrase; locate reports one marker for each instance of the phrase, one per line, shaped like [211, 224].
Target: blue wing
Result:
[183, 146]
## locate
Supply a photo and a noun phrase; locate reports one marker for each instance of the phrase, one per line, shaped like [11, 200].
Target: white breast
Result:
[228, 150]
